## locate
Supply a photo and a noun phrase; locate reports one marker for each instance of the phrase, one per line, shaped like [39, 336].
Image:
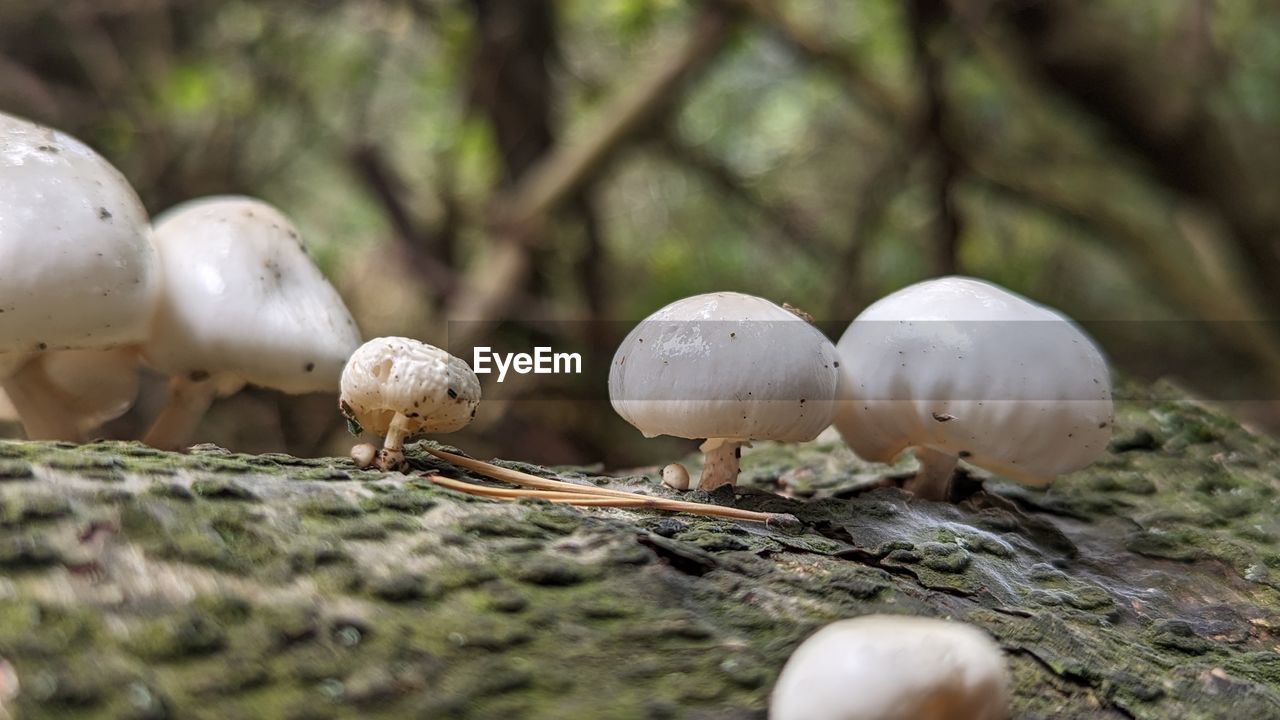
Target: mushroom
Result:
[729, 368]
[242, 303]
[77, 267]
[398, 388]
[886, 667]
[675, 476]
[89, 387]
[960, 368]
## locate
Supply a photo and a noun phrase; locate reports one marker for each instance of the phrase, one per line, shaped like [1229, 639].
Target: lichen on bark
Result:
[145, 584]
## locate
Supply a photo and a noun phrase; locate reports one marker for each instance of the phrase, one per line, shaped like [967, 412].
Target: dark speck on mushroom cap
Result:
[386, 376]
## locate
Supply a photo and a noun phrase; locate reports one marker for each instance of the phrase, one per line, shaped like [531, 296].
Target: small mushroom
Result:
[242, 303]
[675, 476]
[364, 454]
[886, 667]
[960, 368]
[729, 368]
[398, 388]
[78, 270]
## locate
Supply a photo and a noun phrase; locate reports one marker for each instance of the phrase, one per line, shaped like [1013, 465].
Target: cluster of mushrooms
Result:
[219, 292]
[952, 368]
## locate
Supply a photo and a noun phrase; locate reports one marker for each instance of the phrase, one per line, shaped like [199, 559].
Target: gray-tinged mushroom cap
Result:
[958, 367]
[727, 367]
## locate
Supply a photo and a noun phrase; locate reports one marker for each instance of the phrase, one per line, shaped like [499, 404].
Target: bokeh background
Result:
[555, 163]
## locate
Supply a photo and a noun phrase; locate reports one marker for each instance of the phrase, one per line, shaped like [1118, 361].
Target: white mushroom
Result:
[883, 667]
[959, 368]
[77, 267]
[398, 388]
[727, 367]
[241, 303]
[93, 386]
[675, 476]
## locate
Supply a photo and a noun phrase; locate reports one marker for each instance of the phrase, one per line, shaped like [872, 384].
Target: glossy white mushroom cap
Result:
[974, 371]
[883, 667]
[243, 301]
[436, 391]
[725, 365]
[77, 267]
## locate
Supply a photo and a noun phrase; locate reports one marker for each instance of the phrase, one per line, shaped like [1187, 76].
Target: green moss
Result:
[191, 634]
[15, 470]
[1142, 586]
[219, 489]
[551, 571]
[27, 552]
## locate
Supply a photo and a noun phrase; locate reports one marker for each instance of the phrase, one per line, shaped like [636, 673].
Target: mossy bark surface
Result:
[214, 585]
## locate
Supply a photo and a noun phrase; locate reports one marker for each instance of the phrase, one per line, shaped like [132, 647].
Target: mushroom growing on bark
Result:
[90, 387]
[242, 303]
[888, 667]
[398, 388]
[77, 270]
[960, 368]
[729, 368]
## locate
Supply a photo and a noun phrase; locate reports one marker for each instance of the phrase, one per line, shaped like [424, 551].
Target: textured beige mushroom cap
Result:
[725, 365]
[77, 268]
[883, 667]
[243, 301]
[972, 370]
[436, 391]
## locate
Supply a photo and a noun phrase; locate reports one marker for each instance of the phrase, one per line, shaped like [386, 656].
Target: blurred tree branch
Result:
[1158, 116]
[882, 103]
[1169, 274]
[925, 20]
[848, 294]
[800, 232]
[428, 250]
[522, 214]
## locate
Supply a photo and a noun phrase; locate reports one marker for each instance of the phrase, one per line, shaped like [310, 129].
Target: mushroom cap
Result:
[242, 300]
[436, 391]
[886, 667]
[725, 365]
[972, 370]
[77, 267]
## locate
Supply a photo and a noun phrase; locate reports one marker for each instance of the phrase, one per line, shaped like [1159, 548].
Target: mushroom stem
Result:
[188, 401]
[40, 405]
[391, 457]
[720, 462]
[933, 479]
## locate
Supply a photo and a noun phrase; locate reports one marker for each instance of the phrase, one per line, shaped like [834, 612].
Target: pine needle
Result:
[559, 491]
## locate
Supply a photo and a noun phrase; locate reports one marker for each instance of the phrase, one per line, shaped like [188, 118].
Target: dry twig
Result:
[559, 491]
